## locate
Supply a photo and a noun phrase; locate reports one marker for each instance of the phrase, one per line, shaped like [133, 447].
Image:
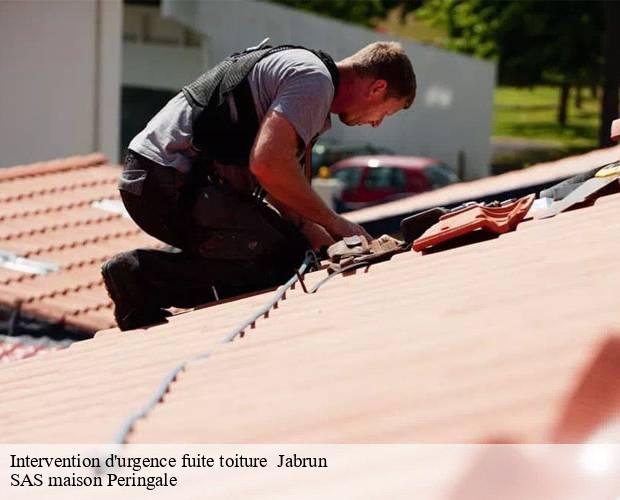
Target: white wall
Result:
[143, 63]
[60, 78]
[159, 53]
[453, 109]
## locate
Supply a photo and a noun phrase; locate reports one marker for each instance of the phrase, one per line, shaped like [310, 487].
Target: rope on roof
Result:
[169, 378]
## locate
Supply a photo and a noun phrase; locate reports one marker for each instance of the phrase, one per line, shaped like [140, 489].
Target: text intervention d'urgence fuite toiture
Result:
[138, 463]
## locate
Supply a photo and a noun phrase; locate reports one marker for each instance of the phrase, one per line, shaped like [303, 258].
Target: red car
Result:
[369, 180]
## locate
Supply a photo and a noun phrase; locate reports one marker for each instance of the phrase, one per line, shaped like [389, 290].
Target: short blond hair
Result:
[387, 61]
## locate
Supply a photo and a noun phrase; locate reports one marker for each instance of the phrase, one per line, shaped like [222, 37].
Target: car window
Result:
[440, 175]
[326, 154]
[385, 178]
[350, 177]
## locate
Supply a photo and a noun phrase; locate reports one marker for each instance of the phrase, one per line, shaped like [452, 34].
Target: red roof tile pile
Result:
[496, 220]
[46, 215]
[491, 339]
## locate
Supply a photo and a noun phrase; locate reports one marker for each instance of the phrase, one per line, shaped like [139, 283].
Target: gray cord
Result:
[164, 387]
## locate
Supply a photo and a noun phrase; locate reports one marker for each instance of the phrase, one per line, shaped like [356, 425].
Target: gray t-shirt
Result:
[294, 83]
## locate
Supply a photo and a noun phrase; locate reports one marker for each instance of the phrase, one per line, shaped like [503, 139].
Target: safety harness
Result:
[225, 122]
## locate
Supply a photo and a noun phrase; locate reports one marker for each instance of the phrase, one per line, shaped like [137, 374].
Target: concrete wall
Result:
[159, 53]
[453, 110]
[143, 64]
[60, 67]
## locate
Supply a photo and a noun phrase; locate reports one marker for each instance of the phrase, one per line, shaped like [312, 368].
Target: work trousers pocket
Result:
[230, 227]
[132, 181]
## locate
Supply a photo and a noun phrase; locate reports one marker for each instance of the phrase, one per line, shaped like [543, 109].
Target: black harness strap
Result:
[225, 122]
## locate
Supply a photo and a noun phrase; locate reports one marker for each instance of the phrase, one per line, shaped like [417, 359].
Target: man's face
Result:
[371, 106]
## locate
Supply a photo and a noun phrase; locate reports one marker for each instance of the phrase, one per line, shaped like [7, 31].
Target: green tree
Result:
[533, 41]
[364, 12]
[572, 43]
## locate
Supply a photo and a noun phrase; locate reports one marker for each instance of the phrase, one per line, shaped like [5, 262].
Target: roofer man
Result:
[197, 176]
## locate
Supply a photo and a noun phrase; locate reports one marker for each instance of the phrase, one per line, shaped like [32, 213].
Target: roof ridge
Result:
[53, 166]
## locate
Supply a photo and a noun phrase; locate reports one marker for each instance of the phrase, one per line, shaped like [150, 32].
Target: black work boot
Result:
[131, 306]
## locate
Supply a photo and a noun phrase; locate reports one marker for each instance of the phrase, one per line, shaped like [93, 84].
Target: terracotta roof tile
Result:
[53, 184]
[59, 239]
[103, 249]
[497, 220]
[46, 215]
[49, 167]
[51, 202]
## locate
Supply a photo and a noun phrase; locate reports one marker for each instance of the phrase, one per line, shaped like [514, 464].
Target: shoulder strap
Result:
[245, 61]
[225, 76]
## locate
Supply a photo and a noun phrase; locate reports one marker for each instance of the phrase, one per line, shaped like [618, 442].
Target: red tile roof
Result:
[489, 339]
[47, 215]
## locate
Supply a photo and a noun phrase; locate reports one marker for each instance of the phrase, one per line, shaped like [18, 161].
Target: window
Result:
[379, 178]
[350, 177]
[440, 175]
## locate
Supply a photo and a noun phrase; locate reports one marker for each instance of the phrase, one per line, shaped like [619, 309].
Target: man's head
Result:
[376, 82]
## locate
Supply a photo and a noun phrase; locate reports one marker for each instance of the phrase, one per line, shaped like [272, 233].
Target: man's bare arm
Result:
[274, 164]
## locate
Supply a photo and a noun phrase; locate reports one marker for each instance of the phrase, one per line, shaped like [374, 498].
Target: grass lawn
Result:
[530, 114]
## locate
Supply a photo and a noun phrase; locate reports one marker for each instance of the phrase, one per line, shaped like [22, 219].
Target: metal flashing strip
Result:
[584, 192]
[113, 206]
[11, 261]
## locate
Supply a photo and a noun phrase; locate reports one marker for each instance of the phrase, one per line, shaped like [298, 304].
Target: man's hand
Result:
[341, 227]
[316, 235]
